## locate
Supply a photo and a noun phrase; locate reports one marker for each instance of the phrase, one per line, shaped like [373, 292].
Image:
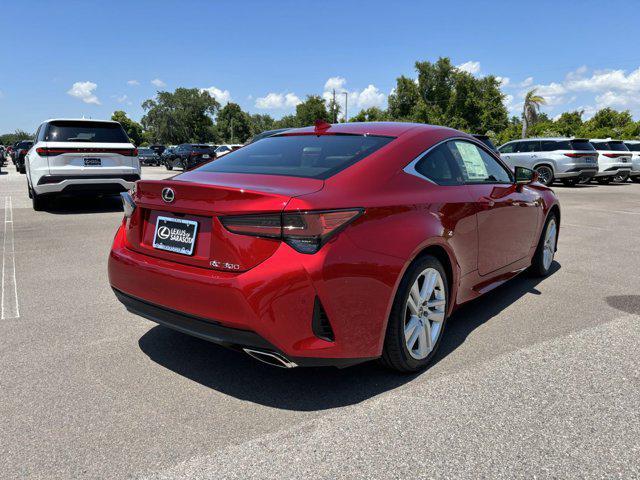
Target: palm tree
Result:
[531, 109]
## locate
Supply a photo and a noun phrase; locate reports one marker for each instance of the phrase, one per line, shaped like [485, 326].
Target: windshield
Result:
[83, 131]
[309, 156]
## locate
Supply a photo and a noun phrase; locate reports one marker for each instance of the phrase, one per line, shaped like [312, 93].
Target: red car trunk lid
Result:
[204, 197]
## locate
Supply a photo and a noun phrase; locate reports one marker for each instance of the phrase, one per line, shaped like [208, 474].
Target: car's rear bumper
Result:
[274, 300]
[613, 171]
[113, 183]
[578, 172]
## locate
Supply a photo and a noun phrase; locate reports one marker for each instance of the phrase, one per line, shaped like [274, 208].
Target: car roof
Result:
[632, 142]
[548, 139]
[604, 140]
[391, 129]
[78, 120]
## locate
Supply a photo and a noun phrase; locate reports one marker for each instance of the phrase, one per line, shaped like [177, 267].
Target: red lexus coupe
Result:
[332, 245]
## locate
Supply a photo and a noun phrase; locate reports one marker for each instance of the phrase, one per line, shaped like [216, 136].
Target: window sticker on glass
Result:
[473, 163]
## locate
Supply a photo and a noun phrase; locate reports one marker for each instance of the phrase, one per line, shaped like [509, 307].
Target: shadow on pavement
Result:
[625, 303]
[308, 389]
[84, 204]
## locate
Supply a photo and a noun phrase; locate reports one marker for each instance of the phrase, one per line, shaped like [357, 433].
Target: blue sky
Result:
[88, 58]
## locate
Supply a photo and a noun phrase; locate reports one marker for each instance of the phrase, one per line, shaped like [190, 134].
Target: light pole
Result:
[346, 103]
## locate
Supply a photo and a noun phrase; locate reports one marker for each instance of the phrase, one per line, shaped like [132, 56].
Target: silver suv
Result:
[614, 160]
[570, 160]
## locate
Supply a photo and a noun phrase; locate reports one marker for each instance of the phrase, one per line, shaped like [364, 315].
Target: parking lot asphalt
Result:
[538, 378]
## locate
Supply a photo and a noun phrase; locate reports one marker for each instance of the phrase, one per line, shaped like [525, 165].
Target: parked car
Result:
[487, 141]
[265, 134]
[224, 149]
[8, 152]
[566, 159]
[159, 149]
[167, 157]
[3, 158]
[614, 160]
[634, 148]
[147, 156]
[20, 152]
[189, 155]
[336, 245]
[80, 156]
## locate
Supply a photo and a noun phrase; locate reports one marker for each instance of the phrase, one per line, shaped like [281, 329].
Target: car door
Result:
[507, 214]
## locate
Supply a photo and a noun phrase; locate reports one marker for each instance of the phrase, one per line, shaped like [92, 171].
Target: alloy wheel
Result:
[549, 247]
[545, 174]
[424, 313]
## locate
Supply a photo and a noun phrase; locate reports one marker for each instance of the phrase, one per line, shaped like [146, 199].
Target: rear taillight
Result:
[614, 155]
[306, 232]
[577, 155]
[52, 152]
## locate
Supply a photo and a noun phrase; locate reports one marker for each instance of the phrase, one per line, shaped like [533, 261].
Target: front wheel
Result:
[545, 174]
[418, 316]
[547, 245]
[169, 166]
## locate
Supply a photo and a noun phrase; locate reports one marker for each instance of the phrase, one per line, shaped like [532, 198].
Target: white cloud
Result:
[368, 97]
[84, 91]
[156, 82]
[222, 96]
[273, 101]
[469, 67]
[503, 81]
[527, 82]
[133, 82]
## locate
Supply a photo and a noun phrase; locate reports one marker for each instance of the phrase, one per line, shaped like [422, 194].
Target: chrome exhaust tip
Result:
[271, 358]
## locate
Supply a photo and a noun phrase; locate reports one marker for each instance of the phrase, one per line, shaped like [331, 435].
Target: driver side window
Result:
[476, 165]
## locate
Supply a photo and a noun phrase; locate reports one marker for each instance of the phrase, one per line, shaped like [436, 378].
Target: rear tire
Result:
[545, 174]
[38, 202]
[547, 246]
[622, 178]
[169, 166]
[604, 180]
[635, 179]
[408, 349]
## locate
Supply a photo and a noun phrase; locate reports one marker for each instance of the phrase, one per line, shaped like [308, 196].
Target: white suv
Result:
[614, 160]
[634, 148]
[570, 160]
[80, 156]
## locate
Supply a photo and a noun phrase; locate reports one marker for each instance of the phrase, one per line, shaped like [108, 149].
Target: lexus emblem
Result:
[168, 195]
[164, 232]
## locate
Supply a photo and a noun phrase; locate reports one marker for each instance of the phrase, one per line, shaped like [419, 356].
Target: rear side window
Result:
[310, 156]
[96, 132]
[438, 166]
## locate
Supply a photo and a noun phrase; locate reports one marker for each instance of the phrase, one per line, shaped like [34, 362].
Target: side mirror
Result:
[525, 176]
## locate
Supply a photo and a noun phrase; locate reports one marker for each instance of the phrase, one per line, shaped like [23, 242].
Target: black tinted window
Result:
[309, 156]
[96, 132]
[581, 145]
[508, 148]
[529, 146]
[633, 147]
[618, 146]
[438, 166]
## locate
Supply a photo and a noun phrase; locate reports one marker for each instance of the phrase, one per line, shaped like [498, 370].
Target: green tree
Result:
[183, 116]
[569, 124]
[531, 109]
[232, 124]
[373, 114]
[288, 121]
[312, 109]
[261, 123]
[133, 128]
[403, 99]
[11, 138]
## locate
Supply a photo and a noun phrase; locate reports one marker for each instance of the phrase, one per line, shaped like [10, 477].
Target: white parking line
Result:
[9, 299]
